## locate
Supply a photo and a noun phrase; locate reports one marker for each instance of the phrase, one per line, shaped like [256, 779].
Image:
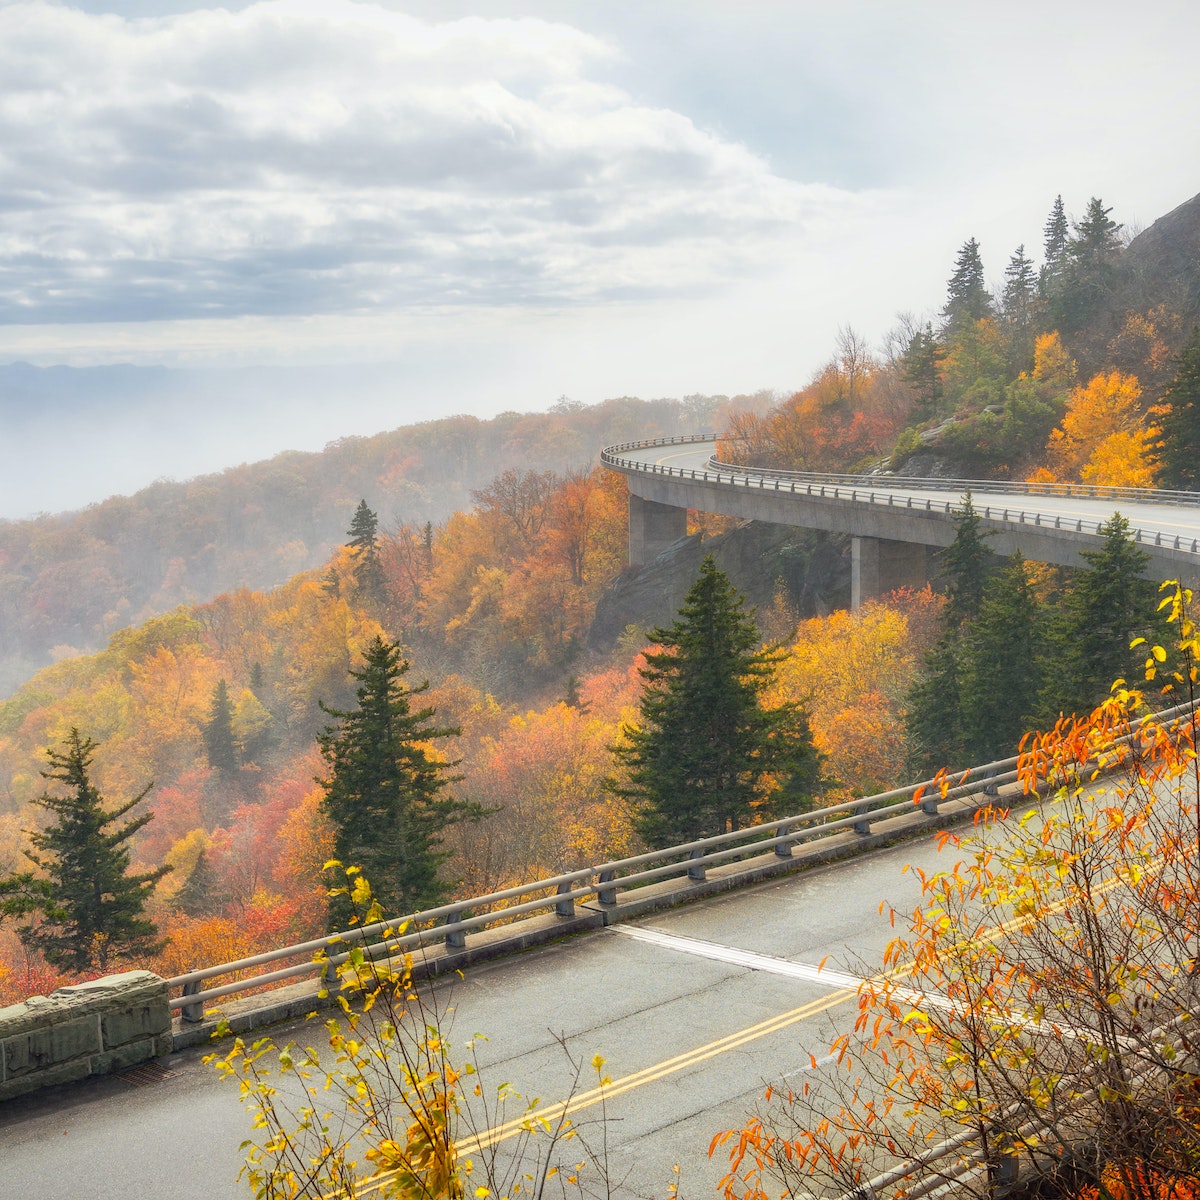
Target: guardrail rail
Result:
[452, 924]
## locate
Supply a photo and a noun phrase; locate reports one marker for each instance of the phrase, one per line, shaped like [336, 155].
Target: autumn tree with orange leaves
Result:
[1033, 1018]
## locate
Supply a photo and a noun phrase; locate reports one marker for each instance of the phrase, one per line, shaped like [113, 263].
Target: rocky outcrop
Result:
[757, 556]
[1163, 263]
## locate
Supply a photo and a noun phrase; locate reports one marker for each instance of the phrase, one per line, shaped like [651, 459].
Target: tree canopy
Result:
[385, 788]
[707, 755]
[92, 906]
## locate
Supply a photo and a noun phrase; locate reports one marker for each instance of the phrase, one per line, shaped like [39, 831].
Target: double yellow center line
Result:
[681, 1062]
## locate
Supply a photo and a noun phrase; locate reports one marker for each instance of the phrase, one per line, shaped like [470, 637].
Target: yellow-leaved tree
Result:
[386, 1109]
[1104, 438]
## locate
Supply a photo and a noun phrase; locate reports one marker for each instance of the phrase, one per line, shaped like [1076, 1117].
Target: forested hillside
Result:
[449, 545]
[68, 581]
[1059, 373]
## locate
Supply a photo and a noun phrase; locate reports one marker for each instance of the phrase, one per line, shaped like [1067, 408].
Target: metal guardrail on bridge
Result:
[882, 490]
[452, 923]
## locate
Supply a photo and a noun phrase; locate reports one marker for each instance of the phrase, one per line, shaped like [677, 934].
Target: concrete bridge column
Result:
[652, 528]
[879, 566]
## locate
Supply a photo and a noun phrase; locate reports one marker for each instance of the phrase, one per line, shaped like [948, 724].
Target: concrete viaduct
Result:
[895, 522]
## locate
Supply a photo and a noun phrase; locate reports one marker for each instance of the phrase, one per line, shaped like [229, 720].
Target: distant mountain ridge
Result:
[68, 581]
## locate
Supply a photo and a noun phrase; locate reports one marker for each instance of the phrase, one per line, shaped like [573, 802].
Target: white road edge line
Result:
[836, 980]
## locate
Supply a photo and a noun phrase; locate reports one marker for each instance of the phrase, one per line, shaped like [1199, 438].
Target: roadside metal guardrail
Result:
[452, 924]
[881, 490]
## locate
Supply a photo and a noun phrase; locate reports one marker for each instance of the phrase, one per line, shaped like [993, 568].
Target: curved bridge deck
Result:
[895, 520]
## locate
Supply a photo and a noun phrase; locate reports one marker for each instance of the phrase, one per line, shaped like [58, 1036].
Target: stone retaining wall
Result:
[90, 1029]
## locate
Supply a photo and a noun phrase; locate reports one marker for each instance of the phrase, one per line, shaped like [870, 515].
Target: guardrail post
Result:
[696, 870]
[863, 825]
[606, 895]
[456, 935]
[1002, 1171]
[565, 908]
[192, 1013]
[929, 806]
[784, 849]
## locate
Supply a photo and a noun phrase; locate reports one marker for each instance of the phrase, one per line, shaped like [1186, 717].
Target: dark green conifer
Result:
[364, 541]
[1106, 607]
[1018, 306]
[935, 726]
[572, 698]
[967, 299]
[922, 371]
[968, 564]
[219, 742]
[93, 908]
[199, 895]
[1090, 271]
[1001, 666]
[1178, 446]
[707, 755]
[1056, 235]
[385, 792]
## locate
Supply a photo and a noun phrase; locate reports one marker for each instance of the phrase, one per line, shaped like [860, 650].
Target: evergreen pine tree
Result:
[1090, 270]
[385, 791]
[199, 895]
[1018, 304]
[219, 742]
[1106, 607]
[707, 756]
[364, 541]
[572, 697]
[1097, 240]
[967, 564]
[94, 909]
[1056, 234]
[922, 371]
[934, 729]
[967, 299]
[1000, 668]
[1178, 445]
[935, 726]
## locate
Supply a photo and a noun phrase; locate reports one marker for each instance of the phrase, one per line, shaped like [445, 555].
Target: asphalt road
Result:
[695, 1010]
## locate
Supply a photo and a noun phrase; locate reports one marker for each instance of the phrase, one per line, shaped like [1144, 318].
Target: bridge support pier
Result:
[879, 566]
[652, 528]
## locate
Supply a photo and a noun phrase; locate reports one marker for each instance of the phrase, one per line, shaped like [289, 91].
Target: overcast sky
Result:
[498, 202]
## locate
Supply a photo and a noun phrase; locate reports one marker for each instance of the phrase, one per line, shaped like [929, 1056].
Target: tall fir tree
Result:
[1106, 607]
[1001, 665]
[707, 756]
[385, 792]
[200, 895]
[364, 541]
[967, 298]
[1056, 236]
[94, 907]
[935, 726]
[1097, 240]
[922, 366]
[1178, 444]
[1018, 306]
[1090, 271]
[967, 564]
[219, 743]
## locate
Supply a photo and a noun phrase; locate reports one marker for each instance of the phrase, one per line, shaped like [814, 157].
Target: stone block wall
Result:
[90, 1029]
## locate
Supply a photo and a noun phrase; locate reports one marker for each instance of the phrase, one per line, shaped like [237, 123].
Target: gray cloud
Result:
[319, 156]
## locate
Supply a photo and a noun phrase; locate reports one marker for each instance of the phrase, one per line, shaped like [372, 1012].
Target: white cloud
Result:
[320, 156]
